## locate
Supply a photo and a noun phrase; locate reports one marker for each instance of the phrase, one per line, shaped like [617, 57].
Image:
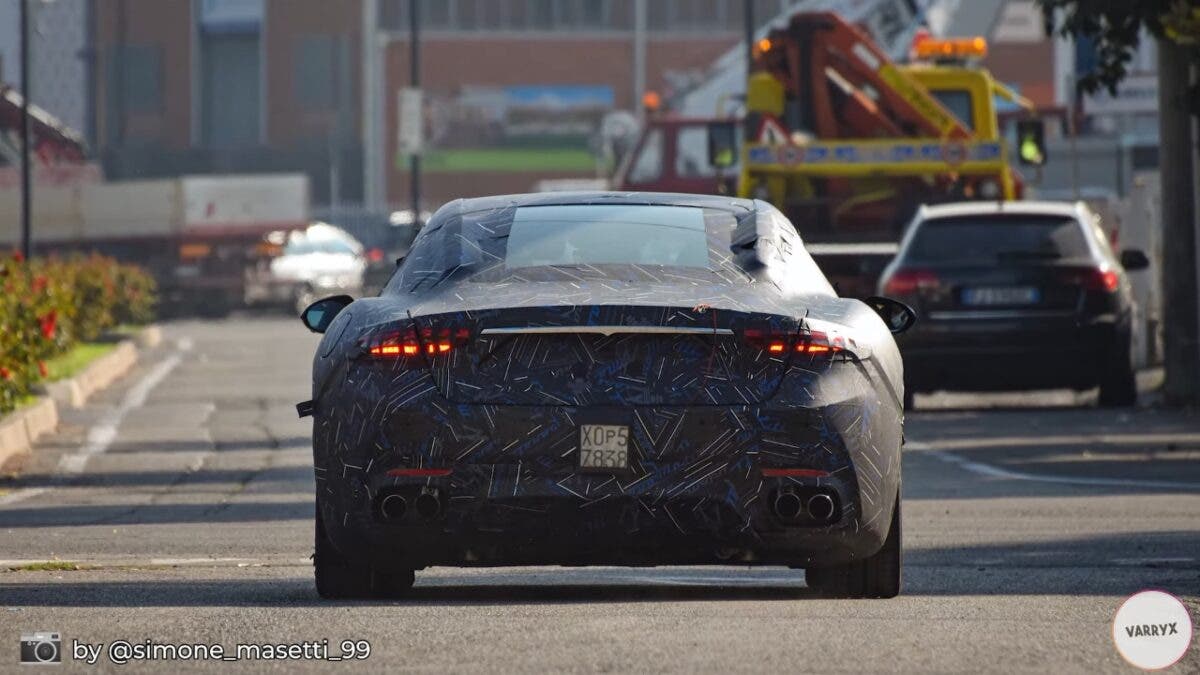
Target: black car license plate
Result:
[1001, 295]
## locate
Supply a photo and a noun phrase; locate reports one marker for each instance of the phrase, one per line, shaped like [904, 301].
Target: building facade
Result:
[200, 86]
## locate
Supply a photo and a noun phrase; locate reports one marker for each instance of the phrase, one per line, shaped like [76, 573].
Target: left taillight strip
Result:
[395, 343]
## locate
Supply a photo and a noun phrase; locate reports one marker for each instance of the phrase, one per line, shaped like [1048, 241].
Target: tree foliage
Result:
[1115, 27]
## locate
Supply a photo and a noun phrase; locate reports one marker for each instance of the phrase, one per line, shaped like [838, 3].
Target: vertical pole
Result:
[118, 134]
[1180, 299]
[372, 147]
[639, 56]
[26, 157]
[414, 78]
[748, 19]
[1072, 128]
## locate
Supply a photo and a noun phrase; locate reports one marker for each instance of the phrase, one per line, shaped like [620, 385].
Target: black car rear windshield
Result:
[996, 239]
[574, 242]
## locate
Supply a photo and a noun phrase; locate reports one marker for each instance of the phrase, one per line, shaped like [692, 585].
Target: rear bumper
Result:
[694, 527]
[696, 492]
[998, 355]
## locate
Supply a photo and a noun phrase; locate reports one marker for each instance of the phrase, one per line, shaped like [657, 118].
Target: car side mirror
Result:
[317, 316]
[898, 316]
[1133, 260]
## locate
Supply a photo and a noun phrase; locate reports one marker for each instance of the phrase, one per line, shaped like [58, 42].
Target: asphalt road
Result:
[184, 493]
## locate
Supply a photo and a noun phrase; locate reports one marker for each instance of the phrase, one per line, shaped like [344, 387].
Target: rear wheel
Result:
[875, 577]
[340, 577]
[337, 576]
[1118, 381]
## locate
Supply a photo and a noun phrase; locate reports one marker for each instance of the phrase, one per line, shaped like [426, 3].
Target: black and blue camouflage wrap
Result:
[707, 413]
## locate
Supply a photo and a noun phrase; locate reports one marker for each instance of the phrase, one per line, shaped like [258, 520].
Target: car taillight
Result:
[396, 344]
[815, 343]
[773, 342]
[1098, 279]
[906, 281]
[1102, 280]
[816, 338]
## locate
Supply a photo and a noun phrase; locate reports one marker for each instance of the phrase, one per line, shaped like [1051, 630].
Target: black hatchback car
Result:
[1014, 296]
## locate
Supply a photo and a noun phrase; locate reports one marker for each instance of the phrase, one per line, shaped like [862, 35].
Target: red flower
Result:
[5, 373]
[39, 283]
[17, 257]
[43, 369]
[49, 322]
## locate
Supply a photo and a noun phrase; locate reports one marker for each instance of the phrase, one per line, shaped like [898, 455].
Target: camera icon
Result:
[41, 648]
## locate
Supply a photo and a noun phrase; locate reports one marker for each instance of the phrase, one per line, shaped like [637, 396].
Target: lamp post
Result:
[26, 158]
[414, 76]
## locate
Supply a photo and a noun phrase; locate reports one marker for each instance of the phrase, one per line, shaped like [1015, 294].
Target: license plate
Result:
[1001, 295]
[603, 446]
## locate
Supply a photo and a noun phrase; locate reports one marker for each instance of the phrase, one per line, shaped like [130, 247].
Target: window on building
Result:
[230, 93]
[139, 68]
[568, 15]
[699, 14]
[595, 14]
[541, 14]
[315, 78]
[438, 14]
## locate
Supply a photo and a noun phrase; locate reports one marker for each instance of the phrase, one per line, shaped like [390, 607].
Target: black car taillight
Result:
[1097, 279]
[394, 343]
[809, 342]
[771, 341]
[909, 281]
[1101, 279]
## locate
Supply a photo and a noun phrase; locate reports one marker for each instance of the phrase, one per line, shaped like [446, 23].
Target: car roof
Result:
[602, 197]
[1029, 208]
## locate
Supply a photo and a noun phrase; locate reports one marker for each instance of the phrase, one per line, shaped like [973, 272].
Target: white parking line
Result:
[992, 471]
[101, 435]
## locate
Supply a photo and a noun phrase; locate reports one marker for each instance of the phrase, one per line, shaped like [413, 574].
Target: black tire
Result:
[341, 578]
[878, 576]
[392, 585]
[337, 577]
[1118, 381]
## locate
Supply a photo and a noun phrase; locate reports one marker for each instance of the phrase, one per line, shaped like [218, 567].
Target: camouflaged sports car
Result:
[607, 379]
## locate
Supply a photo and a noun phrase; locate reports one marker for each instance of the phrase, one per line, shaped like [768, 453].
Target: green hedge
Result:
[47, 305]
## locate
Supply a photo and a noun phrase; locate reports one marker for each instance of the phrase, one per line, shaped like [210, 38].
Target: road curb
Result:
[20, 429]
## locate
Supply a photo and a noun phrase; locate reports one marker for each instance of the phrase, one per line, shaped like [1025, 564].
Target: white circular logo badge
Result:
[1152, 630]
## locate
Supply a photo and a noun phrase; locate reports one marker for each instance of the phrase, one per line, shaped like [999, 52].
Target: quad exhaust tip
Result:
[820, 507]
[393, 507]
[788, 506]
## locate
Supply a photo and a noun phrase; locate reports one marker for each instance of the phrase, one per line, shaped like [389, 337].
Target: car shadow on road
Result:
[288, 478]
[212, 513]
[1112, 565]
[300, 592]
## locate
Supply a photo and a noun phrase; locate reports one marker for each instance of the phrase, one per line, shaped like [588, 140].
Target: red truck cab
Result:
[672, 156]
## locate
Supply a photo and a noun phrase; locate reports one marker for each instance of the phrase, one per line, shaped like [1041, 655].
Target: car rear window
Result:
[607, 235]
[636, 242]
[993, 239]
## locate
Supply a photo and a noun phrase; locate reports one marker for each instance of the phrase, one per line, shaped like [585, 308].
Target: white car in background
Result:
[320, 261]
